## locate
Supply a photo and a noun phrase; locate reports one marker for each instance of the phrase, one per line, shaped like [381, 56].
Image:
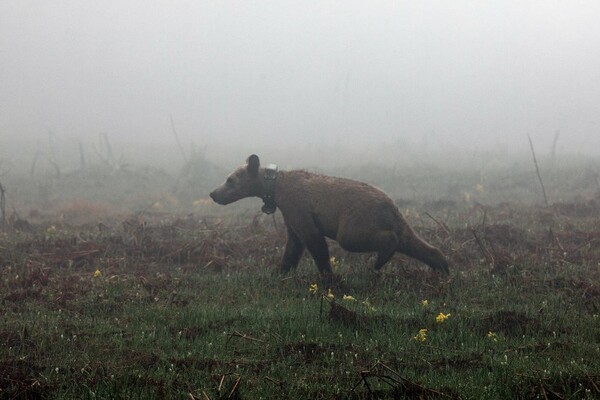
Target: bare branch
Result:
[537, 169]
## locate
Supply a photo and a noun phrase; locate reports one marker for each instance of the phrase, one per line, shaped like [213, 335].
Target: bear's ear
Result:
[253, 164]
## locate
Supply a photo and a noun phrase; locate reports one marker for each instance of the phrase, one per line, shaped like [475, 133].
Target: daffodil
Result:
[97, 274]
[492, 336]
[425, 303]
[313, 288]
[330, 295]
[334, 262]
[421, 337]
[347, 297]
[442, 317]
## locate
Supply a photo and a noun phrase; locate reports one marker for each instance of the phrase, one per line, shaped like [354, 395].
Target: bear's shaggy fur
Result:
[360, 217]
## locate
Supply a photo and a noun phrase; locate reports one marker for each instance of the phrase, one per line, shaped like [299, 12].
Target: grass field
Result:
[191, 307]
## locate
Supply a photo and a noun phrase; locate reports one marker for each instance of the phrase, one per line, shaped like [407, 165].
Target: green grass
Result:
[187, 309]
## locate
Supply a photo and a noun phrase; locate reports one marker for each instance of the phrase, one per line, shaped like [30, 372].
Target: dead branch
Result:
[107, 159]
[485, 210]
[234, 388]
[593, 384]
[52, 138]
[537, 170]
[556, 240]
[34, 163]
[267, 378]
[2, 204]
[396, 381]
[109, 152]
[545, 389]
[3, 170]
[554, 142]
[441, 224]
[55, 165]
[81, 156]
[177, 138]
[243, 336]
[486, 253]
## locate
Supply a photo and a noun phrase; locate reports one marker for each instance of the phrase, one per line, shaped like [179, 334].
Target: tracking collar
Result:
[269, 183]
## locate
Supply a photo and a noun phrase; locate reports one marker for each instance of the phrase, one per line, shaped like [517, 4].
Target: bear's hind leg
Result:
[385, 243]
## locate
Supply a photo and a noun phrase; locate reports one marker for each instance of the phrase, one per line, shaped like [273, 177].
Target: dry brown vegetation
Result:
[163, 304]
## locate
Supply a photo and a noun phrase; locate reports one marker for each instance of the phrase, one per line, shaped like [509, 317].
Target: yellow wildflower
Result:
[479, 188]
[368, 305]
[334, 262]
[425, 303]
[492, 336]
[97, 273]
[313, 288]
[330, 295]
[347, 297]
[442, 317]
[421, 336]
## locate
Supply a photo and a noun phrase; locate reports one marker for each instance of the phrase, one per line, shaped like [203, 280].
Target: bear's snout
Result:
[218, 197]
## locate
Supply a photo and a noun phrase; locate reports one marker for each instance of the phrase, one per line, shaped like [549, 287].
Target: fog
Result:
[242, 76]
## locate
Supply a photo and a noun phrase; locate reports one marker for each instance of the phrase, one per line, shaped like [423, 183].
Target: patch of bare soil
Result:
[559, 387]
[18, 380]
[310, 351]
[510, 323]
[398, 387]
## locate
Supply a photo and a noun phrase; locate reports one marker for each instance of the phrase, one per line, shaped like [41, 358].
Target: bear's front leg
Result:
[293, 252]
[317, 246]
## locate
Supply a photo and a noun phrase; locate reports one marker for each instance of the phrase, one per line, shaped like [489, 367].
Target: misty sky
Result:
[478, 73]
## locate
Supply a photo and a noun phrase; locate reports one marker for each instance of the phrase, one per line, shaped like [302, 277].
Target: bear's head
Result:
[244, 182]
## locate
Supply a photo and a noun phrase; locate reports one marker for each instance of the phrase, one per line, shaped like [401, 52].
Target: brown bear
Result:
[360, 217]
